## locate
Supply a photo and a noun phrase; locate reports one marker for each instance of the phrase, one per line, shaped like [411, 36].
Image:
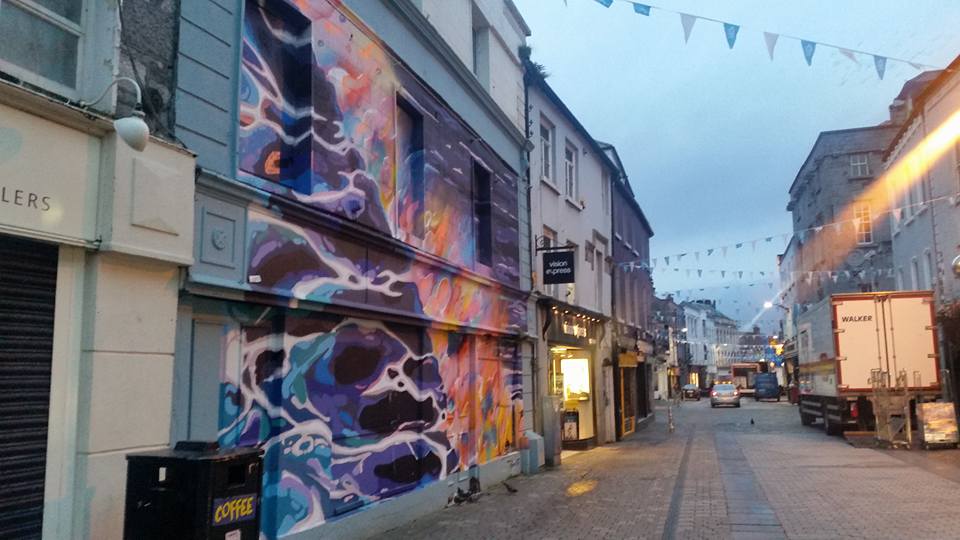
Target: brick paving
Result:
[719, 476]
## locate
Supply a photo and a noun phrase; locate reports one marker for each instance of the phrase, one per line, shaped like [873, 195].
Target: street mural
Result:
[351, 411]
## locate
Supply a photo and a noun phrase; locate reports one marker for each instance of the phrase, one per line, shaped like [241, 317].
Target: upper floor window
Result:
[570, 171]
[482, 213]
[41, 42]
[546, 149]
[410, 167]
[864, 224]
[859, 165]
[605, 192]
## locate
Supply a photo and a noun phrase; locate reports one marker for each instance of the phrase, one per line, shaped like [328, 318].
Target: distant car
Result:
[690, 391]
[724, 394]
[766, 386]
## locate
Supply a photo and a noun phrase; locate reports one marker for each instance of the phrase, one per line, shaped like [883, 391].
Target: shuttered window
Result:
[28, 275]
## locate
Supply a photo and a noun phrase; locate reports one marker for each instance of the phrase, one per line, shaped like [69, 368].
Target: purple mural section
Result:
[373, 206]
[351, 411]
[328, 118]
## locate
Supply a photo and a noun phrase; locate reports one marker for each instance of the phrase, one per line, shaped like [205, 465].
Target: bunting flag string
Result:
[808, 46]
[803, 234]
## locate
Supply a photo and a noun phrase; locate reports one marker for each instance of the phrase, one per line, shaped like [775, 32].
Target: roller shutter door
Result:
[28, 275]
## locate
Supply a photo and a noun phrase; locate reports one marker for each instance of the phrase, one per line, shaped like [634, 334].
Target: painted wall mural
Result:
[352, 411]
[361, 137]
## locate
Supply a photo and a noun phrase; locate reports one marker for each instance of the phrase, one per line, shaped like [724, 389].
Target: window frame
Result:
[78, 29]
[479, 202]
[417, 178]
[858, 168]
[571, 186]
[548, 151]
[862, 212]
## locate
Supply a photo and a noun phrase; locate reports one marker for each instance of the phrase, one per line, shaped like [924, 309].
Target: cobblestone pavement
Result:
[719, 476]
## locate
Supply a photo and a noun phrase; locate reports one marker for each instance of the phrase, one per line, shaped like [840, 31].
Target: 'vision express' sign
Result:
[558, 267]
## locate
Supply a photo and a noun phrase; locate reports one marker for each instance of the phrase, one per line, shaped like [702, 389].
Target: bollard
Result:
[670, 418]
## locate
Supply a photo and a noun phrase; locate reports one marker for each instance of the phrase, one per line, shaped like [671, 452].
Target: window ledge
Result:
[573, 203]
[861, 177]
[549, 183]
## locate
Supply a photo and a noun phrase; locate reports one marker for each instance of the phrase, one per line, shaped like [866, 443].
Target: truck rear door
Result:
[859, 340]
[911, 342]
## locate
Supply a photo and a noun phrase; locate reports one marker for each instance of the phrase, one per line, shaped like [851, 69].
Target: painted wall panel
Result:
[352, 411]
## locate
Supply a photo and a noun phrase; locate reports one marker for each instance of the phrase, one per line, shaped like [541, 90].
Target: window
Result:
[546, 149]
[900, 281]
[481, 48]
[864, 224]
[929, 273]
[570, 171]
[859, 165]
[410, 168]
[914, 274]
[41, 41]
[605, 192]
[482, 215]
[599, 254]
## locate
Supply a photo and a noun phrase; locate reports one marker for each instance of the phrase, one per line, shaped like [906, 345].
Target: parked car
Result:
[724, 394]
[766, 386]
[690, 391]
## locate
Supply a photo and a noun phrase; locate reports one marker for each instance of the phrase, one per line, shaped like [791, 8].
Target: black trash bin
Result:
[194, 491]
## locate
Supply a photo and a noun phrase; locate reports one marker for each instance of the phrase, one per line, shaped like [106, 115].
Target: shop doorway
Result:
[570, 370]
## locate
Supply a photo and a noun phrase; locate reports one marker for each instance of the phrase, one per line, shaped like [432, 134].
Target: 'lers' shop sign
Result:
[558, 267]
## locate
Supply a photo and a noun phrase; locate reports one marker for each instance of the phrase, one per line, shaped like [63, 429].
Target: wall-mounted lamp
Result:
[132, 129]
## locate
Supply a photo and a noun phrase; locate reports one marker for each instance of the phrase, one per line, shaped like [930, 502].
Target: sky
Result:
[712, 137]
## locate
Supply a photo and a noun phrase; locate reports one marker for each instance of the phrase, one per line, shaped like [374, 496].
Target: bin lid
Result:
[198, 452]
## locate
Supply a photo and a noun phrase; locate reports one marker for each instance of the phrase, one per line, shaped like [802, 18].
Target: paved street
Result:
[719, 476]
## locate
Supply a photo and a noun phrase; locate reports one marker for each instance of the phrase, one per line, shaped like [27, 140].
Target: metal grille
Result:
[28, 275]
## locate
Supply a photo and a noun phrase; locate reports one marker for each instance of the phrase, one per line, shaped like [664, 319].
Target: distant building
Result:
[667, 323]
[711, 339]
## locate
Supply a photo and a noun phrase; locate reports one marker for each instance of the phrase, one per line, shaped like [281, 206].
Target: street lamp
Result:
[768, 304]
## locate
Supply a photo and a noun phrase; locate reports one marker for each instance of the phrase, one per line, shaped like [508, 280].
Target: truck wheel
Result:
[829, 427]
[806, 419]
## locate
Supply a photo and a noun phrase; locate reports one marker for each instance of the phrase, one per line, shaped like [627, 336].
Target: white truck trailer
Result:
[844, 338]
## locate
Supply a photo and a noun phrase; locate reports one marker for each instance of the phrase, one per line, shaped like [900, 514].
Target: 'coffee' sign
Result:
[558, 267]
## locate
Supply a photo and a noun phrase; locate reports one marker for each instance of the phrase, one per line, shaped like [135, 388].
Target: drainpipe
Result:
[534, 364]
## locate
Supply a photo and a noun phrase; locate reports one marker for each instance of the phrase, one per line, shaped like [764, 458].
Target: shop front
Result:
[572, 342]
[92, 238]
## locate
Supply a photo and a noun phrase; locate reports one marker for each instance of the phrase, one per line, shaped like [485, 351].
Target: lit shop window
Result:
[576, 378]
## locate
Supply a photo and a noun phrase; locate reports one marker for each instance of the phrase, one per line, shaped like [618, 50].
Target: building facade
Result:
[926, 200]
[570, 211]
[96, 227]
[668, 323]
[358, 306]
[633, 336]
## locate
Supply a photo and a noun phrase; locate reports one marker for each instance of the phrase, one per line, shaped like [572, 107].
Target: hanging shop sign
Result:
[558, 267]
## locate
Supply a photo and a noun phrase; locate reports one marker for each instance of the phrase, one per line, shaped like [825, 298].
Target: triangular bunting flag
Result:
[849, 54]
[642, 9]
[699, 273]
[605, 3]
[880, 62]
[653, 262]
[898, 213]
[809, 47]
[768, 239]
[771, 40]
[709, 252]
[723, 273]
[730, 30]
[818, 229]
[680, 257]
[687, 21]
[740, 274]
[740, 245]
[916, 66]
[666, 260]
